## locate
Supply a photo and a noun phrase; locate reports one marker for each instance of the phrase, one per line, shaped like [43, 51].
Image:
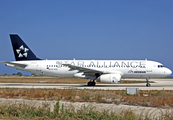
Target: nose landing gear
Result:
[148, 84]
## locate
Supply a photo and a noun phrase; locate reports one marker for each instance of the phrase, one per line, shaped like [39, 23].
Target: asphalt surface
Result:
[160, 84]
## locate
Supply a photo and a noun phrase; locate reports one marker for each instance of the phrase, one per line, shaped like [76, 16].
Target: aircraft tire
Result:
[91, 83]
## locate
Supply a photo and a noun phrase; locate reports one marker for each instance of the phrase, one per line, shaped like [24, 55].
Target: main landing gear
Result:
[92, 82]
[148, 84]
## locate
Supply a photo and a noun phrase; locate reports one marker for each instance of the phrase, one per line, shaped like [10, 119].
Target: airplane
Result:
[105, 71]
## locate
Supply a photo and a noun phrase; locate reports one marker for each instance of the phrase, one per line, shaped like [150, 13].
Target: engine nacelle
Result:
[110, 78]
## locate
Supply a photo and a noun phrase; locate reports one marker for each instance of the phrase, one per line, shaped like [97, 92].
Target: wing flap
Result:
[90, 71]
[84, 69]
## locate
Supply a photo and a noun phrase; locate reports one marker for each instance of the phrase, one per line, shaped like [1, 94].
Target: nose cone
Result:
[168, 72]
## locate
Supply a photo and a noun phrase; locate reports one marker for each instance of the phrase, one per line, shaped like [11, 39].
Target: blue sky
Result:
[89, 29]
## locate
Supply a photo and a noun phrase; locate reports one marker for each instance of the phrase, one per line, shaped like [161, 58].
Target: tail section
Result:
[21, 50]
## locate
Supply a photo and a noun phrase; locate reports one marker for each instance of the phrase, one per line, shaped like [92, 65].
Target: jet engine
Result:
[110, 78]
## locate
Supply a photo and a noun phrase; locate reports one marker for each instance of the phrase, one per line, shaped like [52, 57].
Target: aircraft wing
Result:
[85, 70]
[11, 64]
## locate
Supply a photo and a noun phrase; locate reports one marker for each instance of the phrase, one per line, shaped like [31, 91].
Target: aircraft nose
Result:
[169, 72]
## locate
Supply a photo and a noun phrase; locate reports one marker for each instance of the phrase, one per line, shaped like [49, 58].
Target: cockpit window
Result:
[160, 66]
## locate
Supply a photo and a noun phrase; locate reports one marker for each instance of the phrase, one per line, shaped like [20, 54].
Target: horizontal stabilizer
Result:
[11, 64]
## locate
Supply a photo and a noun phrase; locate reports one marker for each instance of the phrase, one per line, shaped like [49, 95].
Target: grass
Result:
[153, 98]
[24, 79]
[48, 80]
[23, 111]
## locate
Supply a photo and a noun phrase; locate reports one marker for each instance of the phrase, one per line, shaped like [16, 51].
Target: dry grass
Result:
[48, 80]
[154, 98]
[23, 79]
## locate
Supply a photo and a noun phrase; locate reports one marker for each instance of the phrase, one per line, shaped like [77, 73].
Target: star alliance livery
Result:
[106, 71]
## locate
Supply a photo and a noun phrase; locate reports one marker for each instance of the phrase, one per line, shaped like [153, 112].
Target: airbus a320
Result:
[105, 71]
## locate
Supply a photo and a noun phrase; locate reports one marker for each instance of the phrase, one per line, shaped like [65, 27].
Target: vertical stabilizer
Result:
[21, 50]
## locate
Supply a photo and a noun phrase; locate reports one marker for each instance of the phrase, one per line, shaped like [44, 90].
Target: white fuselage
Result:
[105, 71]
[126, 68]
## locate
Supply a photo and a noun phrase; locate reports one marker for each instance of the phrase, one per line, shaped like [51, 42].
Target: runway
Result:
[160, 84]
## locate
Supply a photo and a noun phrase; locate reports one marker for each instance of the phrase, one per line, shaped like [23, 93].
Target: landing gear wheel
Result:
[91, 83]
[148, 84]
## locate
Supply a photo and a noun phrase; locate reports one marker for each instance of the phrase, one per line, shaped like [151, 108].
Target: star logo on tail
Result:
[22, 51]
